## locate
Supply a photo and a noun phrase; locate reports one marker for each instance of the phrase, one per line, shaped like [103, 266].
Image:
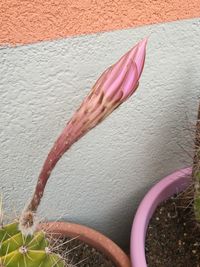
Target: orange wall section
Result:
[29, 21]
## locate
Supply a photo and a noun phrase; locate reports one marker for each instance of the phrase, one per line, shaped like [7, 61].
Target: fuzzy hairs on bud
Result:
[27, 223]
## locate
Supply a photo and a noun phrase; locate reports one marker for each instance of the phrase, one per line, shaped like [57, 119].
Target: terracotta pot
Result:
[90, 237]
[167, 187]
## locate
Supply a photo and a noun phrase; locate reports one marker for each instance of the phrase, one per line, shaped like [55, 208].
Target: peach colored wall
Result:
[24, 21]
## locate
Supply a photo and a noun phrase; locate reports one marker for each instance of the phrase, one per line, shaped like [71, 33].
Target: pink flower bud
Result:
[124, 75]
[114, 86]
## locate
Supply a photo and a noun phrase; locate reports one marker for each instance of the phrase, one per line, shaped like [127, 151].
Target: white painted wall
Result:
[104, 176]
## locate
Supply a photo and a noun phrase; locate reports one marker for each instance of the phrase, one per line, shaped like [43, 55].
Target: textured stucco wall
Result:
[100, 181]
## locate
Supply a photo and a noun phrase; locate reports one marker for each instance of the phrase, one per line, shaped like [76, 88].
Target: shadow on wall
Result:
[116, 223]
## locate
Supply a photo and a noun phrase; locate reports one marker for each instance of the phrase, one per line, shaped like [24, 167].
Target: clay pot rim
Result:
[167, 187]
[91, 237]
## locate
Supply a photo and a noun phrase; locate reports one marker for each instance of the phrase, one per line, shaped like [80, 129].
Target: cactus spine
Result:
[30, 251]
[196, 170]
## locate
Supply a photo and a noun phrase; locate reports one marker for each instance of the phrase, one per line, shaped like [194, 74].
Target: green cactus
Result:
[196, 170]
[17, 250]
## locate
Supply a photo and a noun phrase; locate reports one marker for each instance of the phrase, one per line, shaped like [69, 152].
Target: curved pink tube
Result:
[168, 186]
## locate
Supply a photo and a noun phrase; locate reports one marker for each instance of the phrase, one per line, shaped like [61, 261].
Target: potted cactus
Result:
[165, 230]
[24, 242]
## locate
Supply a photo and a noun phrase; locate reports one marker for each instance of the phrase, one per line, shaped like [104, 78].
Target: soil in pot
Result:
[77, 253]
[173, 237]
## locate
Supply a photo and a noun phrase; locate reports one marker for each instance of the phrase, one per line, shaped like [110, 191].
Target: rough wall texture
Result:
[30, 21]
[101, 180]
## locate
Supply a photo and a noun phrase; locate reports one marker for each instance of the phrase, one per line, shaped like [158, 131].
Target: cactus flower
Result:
[113, 87]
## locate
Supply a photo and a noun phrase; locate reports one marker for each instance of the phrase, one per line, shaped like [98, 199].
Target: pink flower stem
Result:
[60, 146]
[114, 86]
[93, 110]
